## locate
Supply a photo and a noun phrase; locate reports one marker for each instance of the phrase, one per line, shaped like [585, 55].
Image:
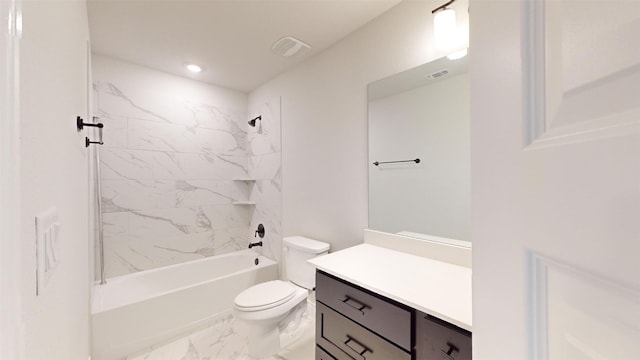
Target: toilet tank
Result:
[297, 250]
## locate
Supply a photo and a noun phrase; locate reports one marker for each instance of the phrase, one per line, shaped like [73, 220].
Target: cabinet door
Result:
[439, 340]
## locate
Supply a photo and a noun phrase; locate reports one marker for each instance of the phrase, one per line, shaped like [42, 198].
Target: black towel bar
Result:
[417, 161]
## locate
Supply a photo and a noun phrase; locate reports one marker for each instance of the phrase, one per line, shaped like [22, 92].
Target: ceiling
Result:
[231, 39]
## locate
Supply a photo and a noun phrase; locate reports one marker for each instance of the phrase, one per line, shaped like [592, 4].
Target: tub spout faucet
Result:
[259, 243]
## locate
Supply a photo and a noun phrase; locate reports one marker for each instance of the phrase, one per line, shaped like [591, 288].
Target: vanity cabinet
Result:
[353, 323]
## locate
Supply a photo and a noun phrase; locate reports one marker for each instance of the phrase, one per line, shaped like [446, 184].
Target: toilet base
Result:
[264, 341]
[267, 339]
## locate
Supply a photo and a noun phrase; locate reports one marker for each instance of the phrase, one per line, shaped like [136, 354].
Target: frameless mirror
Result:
[419, 152]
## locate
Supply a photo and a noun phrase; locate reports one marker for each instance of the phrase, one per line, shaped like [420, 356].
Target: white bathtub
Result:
[134, 312]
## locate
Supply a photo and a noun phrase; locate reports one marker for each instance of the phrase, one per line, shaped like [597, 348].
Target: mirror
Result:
[421, 113]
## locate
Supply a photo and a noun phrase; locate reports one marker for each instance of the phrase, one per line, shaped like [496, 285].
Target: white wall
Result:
[324, 121]
[432, 197]
[53, 173]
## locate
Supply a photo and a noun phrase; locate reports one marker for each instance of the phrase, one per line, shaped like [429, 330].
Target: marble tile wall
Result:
[168, 166]
[265, 165]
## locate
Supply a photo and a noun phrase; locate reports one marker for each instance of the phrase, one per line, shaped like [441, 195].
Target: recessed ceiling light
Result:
[193, 68]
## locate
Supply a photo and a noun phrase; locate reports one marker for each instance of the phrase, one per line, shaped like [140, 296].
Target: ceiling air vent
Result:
[289, 46]
[437, 74]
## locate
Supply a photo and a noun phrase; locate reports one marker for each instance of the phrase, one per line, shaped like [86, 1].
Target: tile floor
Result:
[227, 339]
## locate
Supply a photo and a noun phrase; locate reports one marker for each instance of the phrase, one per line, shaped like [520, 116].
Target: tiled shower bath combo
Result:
[183, 175]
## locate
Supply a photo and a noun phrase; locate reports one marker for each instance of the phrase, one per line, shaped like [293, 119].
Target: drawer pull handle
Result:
[355, 304]
[356, 346]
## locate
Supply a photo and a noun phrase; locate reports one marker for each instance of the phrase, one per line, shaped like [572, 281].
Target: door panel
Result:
[581, 316]
[584, 70]
[556, 179]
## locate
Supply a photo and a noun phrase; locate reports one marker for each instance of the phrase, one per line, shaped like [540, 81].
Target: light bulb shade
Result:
[445, 32]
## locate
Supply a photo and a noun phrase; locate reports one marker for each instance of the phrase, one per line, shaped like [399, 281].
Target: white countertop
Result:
[434, 287]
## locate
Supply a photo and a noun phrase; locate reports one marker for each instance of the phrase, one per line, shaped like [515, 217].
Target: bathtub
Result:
[133, 312]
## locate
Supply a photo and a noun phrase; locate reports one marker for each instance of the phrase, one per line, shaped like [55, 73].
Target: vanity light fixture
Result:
[444, 26]
[445, 31]
[193, 68]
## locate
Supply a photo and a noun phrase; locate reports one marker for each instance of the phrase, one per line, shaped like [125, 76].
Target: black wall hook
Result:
[80, 124]
[88, 142]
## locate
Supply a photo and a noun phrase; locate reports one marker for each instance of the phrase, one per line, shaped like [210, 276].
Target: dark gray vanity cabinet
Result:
[353, 323]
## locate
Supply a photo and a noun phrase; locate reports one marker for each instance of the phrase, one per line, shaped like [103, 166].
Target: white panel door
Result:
[555, 106]
[11, 321]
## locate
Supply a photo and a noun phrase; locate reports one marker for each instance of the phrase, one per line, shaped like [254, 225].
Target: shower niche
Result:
[247, 185]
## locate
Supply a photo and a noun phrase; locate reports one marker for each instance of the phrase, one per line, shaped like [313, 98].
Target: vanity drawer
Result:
[439, 340]
[380, 316]
[346, 340]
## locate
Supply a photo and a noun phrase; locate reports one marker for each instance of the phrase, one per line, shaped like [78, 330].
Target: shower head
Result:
[252, 122]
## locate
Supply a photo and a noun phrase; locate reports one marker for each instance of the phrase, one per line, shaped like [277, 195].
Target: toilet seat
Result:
[265, 296]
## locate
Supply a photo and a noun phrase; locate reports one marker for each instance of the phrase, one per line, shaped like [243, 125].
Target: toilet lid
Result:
[265, 295]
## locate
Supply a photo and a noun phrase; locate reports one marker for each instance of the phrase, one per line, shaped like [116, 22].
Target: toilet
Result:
[263, 307]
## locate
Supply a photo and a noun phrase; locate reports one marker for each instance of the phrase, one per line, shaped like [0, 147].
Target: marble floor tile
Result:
[227, 339]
